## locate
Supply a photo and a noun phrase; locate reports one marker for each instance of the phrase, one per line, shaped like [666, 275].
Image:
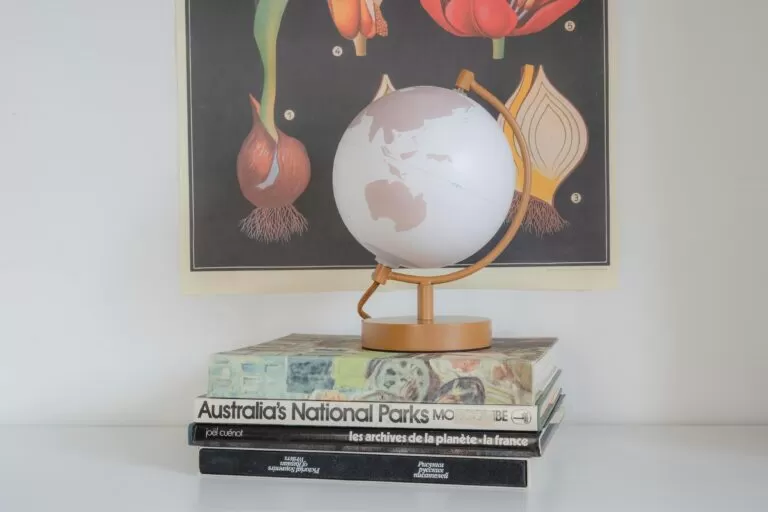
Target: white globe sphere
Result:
[423, 177]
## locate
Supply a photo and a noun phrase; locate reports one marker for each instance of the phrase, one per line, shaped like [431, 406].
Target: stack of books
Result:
[320, 406]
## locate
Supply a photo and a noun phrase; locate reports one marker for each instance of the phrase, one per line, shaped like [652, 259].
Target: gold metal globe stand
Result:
[425, 332]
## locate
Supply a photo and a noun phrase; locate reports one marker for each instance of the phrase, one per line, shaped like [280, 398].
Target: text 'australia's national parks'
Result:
[322, 412]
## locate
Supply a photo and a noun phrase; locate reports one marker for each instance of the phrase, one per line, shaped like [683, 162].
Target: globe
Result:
[423, 177]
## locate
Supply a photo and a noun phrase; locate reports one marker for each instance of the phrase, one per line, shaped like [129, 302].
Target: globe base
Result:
[443, 334]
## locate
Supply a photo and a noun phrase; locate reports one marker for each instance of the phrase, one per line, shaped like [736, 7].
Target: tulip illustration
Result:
[358, 21]
[496, 19]
[272, 173]
[273, 169]
[557, 140]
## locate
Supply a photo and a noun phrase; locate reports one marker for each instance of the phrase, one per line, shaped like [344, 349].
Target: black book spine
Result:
[424, 442]
[365, 467]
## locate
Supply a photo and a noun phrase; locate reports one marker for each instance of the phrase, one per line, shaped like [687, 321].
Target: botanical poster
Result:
[269, 87]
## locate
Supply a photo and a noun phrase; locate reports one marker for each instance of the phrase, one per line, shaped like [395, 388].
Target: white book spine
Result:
[252, 411]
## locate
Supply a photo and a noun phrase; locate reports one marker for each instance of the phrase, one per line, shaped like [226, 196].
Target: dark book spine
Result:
[427, 442]
[365, 467]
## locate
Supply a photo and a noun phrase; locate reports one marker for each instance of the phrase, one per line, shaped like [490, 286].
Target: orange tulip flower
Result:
[358, 21]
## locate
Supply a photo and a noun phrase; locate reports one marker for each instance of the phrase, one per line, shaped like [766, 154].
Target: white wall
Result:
[93, 326]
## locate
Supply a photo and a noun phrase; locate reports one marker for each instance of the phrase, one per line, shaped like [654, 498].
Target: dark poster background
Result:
[326, 91]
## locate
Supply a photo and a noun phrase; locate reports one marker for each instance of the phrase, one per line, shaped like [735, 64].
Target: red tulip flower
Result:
[496, 19]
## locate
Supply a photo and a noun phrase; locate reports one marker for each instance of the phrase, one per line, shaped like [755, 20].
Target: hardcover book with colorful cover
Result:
[513, 371]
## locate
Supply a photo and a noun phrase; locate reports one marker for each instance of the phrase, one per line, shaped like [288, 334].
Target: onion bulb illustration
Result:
[358, 21]
[273, 168]
[385, 87]
[557, 139]
[272, 175]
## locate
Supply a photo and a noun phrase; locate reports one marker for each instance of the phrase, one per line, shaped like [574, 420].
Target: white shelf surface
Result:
[596, 469]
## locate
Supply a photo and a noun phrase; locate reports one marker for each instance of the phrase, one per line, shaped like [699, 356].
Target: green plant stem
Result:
[266, 25]
[498, 48]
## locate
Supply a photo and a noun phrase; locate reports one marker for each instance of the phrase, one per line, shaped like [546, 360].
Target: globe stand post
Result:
[425, 303]
[425, 332]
